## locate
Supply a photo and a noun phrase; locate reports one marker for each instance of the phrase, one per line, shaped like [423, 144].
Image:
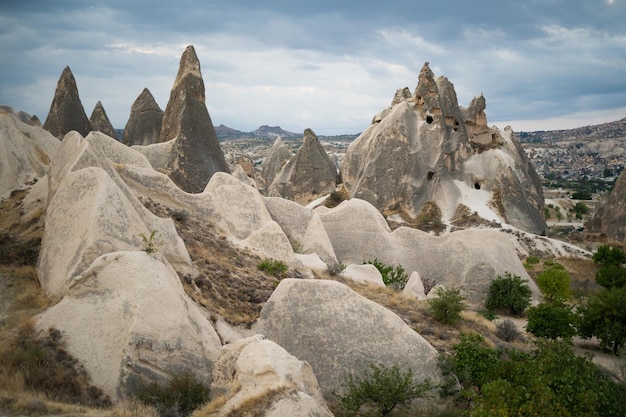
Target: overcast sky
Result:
[325, 64]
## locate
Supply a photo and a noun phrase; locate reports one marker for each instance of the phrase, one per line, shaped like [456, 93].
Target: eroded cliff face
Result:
[427, 148]
[610, 214]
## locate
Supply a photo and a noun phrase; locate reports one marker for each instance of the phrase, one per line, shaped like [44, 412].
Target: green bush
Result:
[447, 306]
[609, 255]
[179, 397]
[611, 276]
[508, 292]
[152, 243]
[273, 267]
[604, 316]
[554, 282]
[473, 363]
[552, 321]
[381, 388]
[395, 277]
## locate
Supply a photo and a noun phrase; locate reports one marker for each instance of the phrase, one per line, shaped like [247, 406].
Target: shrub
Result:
[473, 363]
[509, 292]
[604, 316]
[447, 306]
[179, 397]
[153, 242]
[609, 255]
[611, 276]
[395, 277]
[554, 282]
[273, 267]
[382, 388]
[507, 331]
[552, 321]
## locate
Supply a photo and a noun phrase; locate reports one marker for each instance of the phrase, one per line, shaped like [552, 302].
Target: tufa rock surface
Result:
[196, 153]
[277, 157]
[66, 111]
[425, 147]
[144, 124]
[308, 175]
[610, 213]
[100, 121]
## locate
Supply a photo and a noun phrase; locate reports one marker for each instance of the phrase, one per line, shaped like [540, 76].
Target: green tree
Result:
[611, 276]
[609, 255]
[552, 321]
[604, 316]
[447, 306]
[382, 388]
[554, 282]
[510, 292]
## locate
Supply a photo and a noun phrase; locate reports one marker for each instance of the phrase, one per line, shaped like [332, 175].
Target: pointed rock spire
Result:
[100, 121]
[196, 153]
[66, 111]
[144, 124]
[278, 156]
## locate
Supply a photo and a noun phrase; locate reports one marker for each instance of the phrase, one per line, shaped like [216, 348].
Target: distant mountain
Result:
[610, 130]
[263, 132]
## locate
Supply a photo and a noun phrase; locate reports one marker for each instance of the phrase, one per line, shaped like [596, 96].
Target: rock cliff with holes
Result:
[66, 111]
[609, 216]
[144, 123]
[306, 176]
[425, 151]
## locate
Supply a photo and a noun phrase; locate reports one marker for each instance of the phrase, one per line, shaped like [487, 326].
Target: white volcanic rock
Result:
[128, 317]
[366, 273]
[269, 241]
[415, 286]
[25, 152]
[256, 367]
[278, 156]
[339, 332]
[469, 259]
[416, 151]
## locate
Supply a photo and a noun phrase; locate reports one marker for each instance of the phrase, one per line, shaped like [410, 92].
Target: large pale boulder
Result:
[25, 152]
[418, 151]
[468, 259]
[100, 121]
[339, 332]
[269, 241]
[366, 273]
[308, 175]
[128, 318]
[254, 368]
[196, 153]
[66, 110]
[610, 213]
[145, 120]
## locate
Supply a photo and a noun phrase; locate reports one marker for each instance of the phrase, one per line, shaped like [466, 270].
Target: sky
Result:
[328, 65]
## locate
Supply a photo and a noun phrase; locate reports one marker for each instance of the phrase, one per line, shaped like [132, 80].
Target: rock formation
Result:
[144, 124]
[196, 153]
[340, 333]
[427, 149]
[308, 175]
[100, 121]
[254, 368]
[25, 150]
[66, 111]
[609, 216]
[278, 156]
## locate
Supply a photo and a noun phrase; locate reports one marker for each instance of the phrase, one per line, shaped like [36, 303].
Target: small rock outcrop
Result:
[308, 175]
[25, 151]
[144, 124]
[100, 121]
[610, 213]
[277, 157]
[196, 154]
[426, 149]
[66, 111]
[340, 332]
[254, 368]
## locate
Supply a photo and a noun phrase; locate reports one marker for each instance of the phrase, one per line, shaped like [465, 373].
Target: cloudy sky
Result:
[325, 64]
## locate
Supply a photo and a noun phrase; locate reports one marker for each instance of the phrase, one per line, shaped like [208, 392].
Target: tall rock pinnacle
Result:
[196, 153]
[100, 121]
[144, 124]
[66, 111]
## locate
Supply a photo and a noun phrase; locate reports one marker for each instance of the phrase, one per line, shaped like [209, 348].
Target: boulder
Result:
[609, 216]
[468, 259]
[113, 322]
[100, 121]
[196, 153]
[255, 368]
[415, 287]
[145, 120]
[340, 332]
[366, 273]
[417, 152]
[25, 152]
[66, 111]
[307, 176]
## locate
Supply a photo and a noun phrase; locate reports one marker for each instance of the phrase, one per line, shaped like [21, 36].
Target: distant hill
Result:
[263, 132]
[610, 130]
